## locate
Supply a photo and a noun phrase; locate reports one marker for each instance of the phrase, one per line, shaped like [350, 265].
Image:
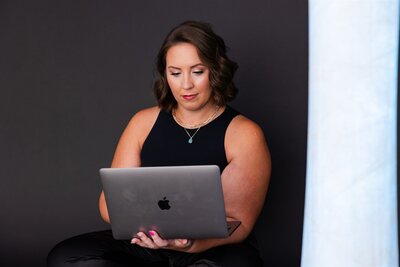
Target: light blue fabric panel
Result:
[351, 192]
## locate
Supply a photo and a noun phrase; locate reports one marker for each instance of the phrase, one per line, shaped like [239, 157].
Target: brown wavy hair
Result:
[212, 52]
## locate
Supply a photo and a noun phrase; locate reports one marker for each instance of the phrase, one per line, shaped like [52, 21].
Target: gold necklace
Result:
[198, 126]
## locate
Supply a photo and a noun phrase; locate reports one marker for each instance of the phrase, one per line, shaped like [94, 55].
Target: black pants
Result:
[100, 249]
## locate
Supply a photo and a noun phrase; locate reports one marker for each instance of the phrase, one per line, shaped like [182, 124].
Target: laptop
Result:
[175, 201]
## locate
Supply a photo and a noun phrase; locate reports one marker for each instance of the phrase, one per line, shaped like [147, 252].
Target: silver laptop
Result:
[176, 201]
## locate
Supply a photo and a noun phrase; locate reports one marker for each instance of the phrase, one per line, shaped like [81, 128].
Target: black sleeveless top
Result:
[167, 143]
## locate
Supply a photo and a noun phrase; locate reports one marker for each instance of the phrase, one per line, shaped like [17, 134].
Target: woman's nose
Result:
[187, 82]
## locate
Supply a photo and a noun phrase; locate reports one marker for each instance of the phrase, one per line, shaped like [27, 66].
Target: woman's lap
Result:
[101, 249]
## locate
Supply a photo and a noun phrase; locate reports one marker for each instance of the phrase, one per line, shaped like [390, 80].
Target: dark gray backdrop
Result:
[72, 73]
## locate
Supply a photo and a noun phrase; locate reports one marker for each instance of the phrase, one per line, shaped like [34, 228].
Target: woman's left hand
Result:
[156, 242]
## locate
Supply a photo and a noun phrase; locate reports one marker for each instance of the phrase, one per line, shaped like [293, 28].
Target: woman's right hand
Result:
[156, 242]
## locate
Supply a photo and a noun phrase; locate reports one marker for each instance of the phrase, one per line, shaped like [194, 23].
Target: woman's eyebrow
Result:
[194, 66]
[172, 67]
[197, 65]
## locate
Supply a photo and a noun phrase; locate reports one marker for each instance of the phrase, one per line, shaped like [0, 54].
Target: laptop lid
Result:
[175, 201]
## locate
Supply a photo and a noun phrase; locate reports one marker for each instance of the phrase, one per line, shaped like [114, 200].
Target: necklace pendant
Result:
[190, 140]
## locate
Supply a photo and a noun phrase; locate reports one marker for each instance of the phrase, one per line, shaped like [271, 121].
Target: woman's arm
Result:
[129, 146]
[245, 180]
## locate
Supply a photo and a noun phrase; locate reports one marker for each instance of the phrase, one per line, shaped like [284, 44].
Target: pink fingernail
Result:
[152, 233]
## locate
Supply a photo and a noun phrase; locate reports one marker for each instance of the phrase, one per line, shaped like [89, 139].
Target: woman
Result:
[192, 125]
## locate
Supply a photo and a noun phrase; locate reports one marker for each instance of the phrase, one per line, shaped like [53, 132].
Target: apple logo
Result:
[164, 204]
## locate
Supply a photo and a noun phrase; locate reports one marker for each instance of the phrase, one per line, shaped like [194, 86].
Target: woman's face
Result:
[188, 77]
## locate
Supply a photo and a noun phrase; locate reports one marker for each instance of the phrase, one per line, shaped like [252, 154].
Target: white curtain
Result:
[351, 190]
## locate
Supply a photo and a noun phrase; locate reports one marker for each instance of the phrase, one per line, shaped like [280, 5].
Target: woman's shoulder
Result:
[242, 125]
[244, 137]
[145, 116]
[141, 122]
[243, 131]
[146, 113]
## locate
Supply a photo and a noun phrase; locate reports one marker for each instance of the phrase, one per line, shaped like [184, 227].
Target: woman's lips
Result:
[189, 97]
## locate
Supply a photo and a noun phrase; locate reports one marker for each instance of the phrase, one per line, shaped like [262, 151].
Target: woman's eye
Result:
[175, 73]
[198, 72]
